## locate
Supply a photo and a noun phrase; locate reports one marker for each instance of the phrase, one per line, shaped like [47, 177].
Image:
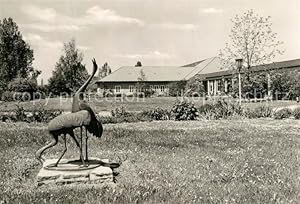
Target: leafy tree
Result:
[23, 85]
[93, 85]
[177, 88]
[194, 86]
[57, 83]
[256, 87]
[138, 64]
[16, 56]
[69, 73]
[19, 85]
[141, 85]
[104, 71]
[34, 75]
[285, 84]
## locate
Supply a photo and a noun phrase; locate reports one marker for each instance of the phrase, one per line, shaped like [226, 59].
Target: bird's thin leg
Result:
[78, 145]
[40, 152]
[86, 145]
[61, 156]
[81, 146]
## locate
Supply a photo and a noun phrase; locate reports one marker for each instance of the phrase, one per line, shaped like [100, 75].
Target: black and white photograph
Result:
[149, 101]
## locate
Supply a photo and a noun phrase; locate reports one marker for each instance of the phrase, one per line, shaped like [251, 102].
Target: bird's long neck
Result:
[79, 94]
[83, 87]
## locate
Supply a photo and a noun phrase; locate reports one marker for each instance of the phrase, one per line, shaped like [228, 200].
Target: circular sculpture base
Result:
[76, 165]
[73, 165]
[72, 171]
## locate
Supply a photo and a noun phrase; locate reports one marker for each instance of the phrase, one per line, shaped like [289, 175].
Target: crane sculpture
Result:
[79, 104]
[82, 115]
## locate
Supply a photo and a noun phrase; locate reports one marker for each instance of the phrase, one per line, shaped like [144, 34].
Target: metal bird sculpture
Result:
[79, 104]
[82, 115]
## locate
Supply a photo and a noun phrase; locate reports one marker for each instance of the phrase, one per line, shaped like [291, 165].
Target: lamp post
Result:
[239, 63]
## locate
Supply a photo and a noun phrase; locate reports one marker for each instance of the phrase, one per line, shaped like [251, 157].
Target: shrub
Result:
[20, 114]
[36, 115]
[120, 112]
[130, 94]
[177, 88]
[283, 113]
[228, 108]
[118, 95]
[23, 85]
[108, 93]
[132, 117]
[263, 111]
[7, 96]
[205, 108]
[296, 113]
[157, 114]
[120, 115]
[140, 94]
[207, 111]
[39, 95]
[220, 109]
[108, 119]
[184, 110]
[4, 117]
[17, 96]
[148, 92]
[42, 115]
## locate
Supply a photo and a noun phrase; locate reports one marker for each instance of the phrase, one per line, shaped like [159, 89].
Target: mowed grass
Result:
[99, 104]
[130, 103]
[233, 161]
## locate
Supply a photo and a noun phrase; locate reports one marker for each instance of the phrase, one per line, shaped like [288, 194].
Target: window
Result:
[220, 85]
[211, 87]
[131, 88]
[162, 88]
[118, 89]
[151, 87]
[138, 89]
[156, 87]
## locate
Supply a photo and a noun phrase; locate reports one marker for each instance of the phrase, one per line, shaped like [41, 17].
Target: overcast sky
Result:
[156, 32]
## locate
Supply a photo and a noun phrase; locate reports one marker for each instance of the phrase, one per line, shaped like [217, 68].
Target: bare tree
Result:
[252, 39]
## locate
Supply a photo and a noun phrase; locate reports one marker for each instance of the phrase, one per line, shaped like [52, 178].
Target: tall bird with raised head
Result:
[82, 115]
[80, 104]
[78, 98]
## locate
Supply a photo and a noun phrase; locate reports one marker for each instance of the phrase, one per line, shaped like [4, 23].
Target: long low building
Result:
[125, 80]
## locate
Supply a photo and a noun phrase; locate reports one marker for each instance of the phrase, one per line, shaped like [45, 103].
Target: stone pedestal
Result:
[68, 172]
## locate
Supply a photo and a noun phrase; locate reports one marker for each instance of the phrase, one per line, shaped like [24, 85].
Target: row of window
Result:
[161, 88]
[219, 85]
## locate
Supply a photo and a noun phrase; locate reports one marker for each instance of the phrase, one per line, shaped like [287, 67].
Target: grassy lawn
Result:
[131, 104]
[233, 161]
[274, 104]
[101, 104]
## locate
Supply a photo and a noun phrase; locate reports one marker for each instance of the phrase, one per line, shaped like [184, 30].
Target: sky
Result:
[155, 32]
